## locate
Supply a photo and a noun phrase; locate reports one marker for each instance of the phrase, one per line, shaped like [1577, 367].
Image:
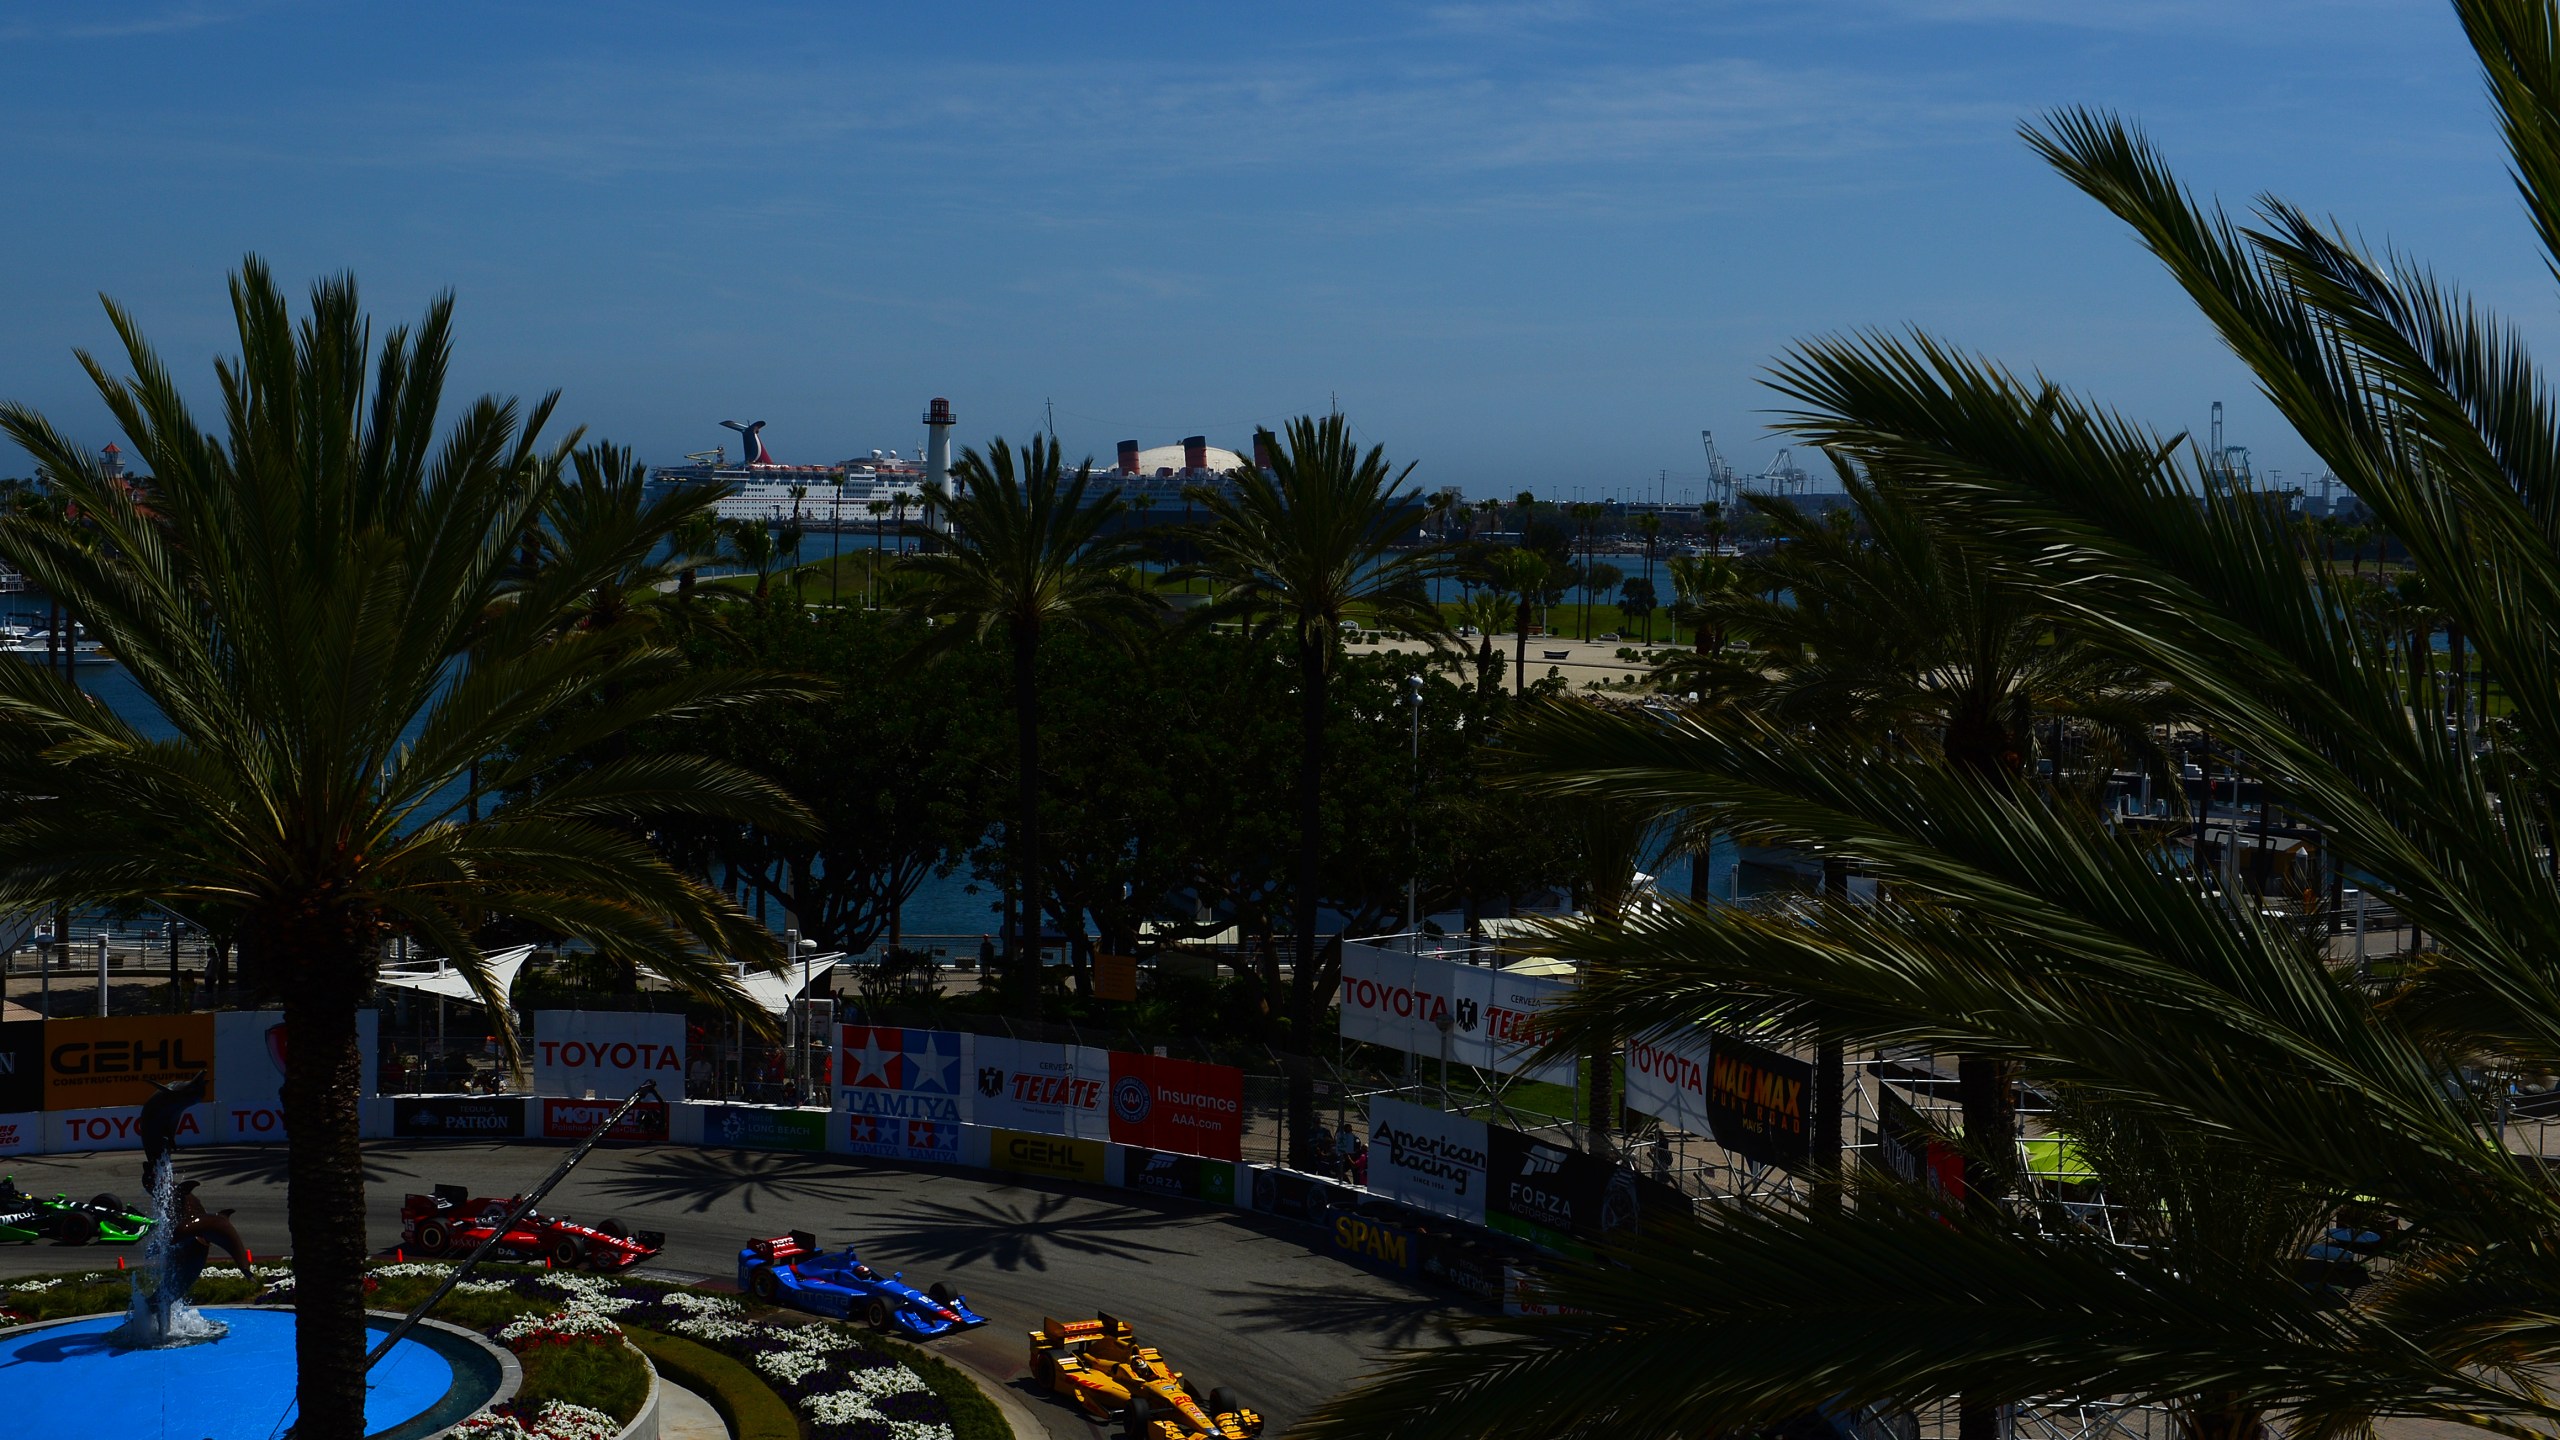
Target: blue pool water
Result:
[66, 1382]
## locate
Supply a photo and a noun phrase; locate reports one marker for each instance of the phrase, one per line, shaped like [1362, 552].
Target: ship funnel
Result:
[1195, 452]
[1128, 457]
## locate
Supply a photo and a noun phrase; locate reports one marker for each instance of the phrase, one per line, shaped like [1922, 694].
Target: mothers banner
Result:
[1471, 1014]
[910, 1089]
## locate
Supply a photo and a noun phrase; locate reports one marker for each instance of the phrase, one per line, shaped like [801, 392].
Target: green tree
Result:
[1636, 600]
[1026, 554]
[1299, 548]
[324, 601]
[1522, 572]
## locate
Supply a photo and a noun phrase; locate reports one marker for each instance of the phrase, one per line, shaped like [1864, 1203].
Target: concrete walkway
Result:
[683, 1415]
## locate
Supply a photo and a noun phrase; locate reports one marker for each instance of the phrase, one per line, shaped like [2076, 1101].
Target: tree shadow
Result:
[1402, 1320]
[1009, 1232]
[261, 1165]
[699, 1179]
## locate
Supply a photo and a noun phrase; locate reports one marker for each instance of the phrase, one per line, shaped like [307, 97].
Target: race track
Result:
[1233, 1298]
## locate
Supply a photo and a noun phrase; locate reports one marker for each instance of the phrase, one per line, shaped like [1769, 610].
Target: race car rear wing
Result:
[1052, 1334]
[782, 1248]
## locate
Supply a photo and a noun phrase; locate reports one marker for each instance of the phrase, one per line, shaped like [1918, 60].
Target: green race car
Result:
[24, 1219]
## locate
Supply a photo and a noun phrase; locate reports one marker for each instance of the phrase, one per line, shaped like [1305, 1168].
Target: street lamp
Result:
[1413, 826]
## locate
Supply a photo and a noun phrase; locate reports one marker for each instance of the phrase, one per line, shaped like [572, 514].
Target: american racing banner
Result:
[1179, 1105]
[1667, 1077]
[115, 1061]
[1031, 1085]
[895, 1075]
[21, 1066]
[1758, 1102]
[1398, 1000]
[1428, 1159]
[248, 1071]
[608, 1052]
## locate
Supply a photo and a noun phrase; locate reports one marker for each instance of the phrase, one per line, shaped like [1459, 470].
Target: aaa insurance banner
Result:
[1183, 1106]
[1400, 1001]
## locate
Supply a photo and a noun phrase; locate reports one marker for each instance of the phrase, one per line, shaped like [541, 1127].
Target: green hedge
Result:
[753, 1410]
[600, 1375]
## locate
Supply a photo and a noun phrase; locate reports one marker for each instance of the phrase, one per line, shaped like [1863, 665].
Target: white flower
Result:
[405, 1270]
[919, 1430]
[31, 1285]
[712, 1327]
[840, 1407]
[699, 1303]
[791, 1365]
[560, 1420]
[886, 1380]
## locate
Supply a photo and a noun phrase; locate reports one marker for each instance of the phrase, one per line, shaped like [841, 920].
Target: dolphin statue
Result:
[158, 1125]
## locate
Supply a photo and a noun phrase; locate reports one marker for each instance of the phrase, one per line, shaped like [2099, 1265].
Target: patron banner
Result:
[1472, 1014]
[123, 1060]
[457, 1117]
[1428, 1159]
[248, 1070]
[896, 1075]
[1031, 1085]
[1667, 1077]
[1757, 1103]
[21, 1066]
[607, 1053]
[1178, 1105]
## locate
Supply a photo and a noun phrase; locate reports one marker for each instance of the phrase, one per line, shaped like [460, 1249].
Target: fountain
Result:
[166, 1370]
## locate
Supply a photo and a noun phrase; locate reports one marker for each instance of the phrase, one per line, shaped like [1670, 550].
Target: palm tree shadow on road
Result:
[699, 1179]
[1400, 1320]
[1010, 1232]
[263, 1165]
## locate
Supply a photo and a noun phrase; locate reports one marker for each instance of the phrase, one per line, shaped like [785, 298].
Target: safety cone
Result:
[119, 1262]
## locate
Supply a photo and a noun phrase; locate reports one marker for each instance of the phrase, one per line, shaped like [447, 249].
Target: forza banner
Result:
[1757, 1101]
[21, 1066]
[1052, 1156]
[1428, 1159]
[607, 1053]
[887, 1137]
[1180, 1105]
[751, 1127]
[1035, 1086]
[1540, 1190]
[898, 1075]
[248, 1071]
[104, 1063]
[1401, 1001]
[457, 1117]
[1178, 1177]
[1667, 1077]
[578, 1119]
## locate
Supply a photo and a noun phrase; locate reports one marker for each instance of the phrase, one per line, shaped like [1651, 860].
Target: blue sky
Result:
[1529, 245]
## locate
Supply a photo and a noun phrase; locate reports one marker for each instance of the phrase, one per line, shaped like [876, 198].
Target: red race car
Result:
[453, 1221]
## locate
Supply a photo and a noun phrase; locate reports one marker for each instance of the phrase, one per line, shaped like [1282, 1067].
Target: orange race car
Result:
[1100, 1365]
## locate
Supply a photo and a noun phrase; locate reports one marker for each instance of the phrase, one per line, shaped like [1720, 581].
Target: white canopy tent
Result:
[773, 992]
[440, 977]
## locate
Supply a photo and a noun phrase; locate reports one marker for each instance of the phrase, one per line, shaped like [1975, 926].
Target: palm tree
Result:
[601, 520]
[1703, 587]
[325, 603]
[1650, 527]
[1520, 571]
[1488, 613]
[2034, 932]
[753, 544]
[1301, 546]
[1026, 554]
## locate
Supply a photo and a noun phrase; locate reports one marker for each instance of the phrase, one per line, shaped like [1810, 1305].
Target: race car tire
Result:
[434, 1237]
[941, 1293]
[763, 1286]
[1222, 1401]
[108, 1203]
[75, 1230]
[566, 1251]
[614, 1228]
[1142, 1411]
[877, 1312]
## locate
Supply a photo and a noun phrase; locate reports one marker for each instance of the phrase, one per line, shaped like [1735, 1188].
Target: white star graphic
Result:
[871, 1063]
[944, 1068]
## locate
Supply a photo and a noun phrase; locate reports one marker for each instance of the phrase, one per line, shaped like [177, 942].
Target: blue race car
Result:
[791, 1270]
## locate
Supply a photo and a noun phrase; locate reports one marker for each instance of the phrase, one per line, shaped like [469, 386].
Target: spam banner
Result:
[122, 1060]
[1667, 1077]
[1757, 1103]
[1031, 1085]
[1053, 1157]
[1428, 1159]
[248, 1071]
[21, 1066]
[1375, 1243]
[1178, 1105]
[1398, 1000]
[607, 1053]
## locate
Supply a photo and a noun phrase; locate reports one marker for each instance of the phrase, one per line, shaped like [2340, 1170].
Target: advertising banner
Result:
[1522, 1295]
[1402, 1001]
[1547, 1192]
[457, 1117]
[1667, 1077]
[1292, 1195]
[21, 1066]
[887, 1137]
[1376, 1244]
[1757, 1103]
[896, 1076]
[1180, 1105]
[578, 1119]
[22, 1133]
[607, 1052]
[92, 1064]
[248, 1071]
[1052, 1156]
[114, 1128]
[1428, 1159]
[1178, 1177]
[1049, 1089]
[750, 1127]
[1913, 1151]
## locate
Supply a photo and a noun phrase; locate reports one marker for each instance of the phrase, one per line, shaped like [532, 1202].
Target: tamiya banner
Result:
[606, 1054]
[1428, 1159]
[21, 1066]
[1758, 1102]
[889, 1137]
[899, 1075]
[1471, 1014]
[646, 1124]
[1031, 1085]
[248, 1071]
[1667, 1077]
[1178, 1105]
[124, 1059]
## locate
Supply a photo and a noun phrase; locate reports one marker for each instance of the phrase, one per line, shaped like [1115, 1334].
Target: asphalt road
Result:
[1232, 1298]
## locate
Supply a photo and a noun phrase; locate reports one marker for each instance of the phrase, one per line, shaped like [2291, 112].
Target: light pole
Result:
[1413, 826]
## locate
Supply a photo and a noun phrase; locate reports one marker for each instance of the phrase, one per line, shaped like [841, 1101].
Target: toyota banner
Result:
[1469, 1014]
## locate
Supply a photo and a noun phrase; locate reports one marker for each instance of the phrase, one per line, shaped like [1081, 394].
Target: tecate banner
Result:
[1031, 1085]
[1428, 1159]
[894, 1074]
[457, 1117]
[124, 1059]
[1179, 1105]
[21, 1066]
[608, 1052]
[753, 1128]
[248, 1071]
[1398, 1000]
[1667, 1077]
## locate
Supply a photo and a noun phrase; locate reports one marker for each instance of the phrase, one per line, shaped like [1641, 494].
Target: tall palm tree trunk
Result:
[1024, 981]
[317, 955]
[1312, 678]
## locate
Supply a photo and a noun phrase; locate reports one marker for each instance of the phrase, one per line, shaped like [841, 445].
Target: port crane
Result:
[1719, 474]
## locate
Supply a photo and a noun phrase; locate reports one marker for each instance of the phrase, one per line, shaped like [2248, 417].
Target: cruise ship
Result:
[817, 497]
